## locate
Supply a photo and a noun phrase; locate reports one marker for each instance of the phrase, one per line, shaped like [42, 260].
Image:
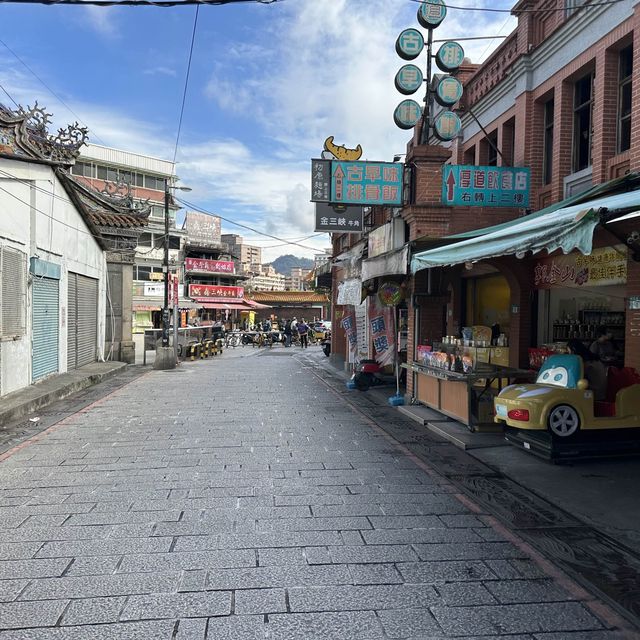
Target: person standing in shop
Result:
[603, 347]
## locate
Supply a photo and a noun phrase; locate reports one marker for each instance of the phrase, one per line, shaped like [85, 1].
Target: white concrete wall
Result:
[37, 217]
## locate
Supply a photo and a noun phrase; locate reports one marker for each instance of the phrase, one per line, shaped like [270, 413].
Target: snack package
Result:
[467, 364]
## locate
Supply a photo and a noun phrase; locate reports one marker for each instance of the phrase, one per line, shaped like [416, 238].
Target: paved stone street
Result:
[240, 497]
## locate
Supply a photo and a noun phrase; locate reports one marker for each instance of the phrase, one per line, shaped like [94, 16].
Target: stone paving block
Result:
[43, 534]
[131, 530]
[314, 524]
[97, 586]
[352, 538]
[421, 536]
[127, 517]
[33, 568]
[407, 622]
[372, 553]
[435, 572]
[322, 626]
[110, 547]
[191, 629]
[518, 618]
[195, 580]
[141, 563]
[258, 540]
[278, 576]
[375, 574]
[317, 555]
[9, 589]
[158, 630]
[254, 601]
[93, 566]
[17, 615]
[520, 591]
[361, 597]
[406, 522]
[18, 550]
[468, 551]
[93, 611]
[459, 594]
[285, 556]
[313, 499]
[490, 535]
[237, 628]
[177, 605]
[330, 511]
[466, 522]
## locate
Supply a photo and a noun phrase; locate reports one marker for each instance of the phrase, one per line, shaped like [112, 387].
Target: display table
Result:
[466, 397]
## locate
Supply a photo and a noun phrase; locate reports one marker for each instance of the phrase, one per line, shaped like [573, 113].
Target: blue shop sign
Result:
[469, 185]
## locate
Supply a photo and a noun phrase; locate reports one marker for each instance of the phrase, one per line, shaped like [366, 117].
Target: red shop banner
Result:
[210, 266]
[215, 291]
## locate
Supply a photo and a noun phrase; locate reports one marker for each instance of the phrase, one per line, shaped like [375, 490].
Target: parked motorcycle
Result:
[369, 374]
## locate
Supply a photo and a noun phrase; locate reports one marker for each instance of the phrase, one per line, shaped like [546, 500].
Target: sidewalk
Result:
[244, 497]
[20, 403]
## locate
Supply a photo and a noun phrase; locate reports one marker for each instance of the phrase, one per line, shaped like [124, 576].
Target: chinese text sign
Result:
[473, 186]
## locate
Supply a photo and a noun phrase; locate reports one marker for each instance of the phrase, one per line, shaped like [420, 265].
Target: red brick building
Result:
[559, 96]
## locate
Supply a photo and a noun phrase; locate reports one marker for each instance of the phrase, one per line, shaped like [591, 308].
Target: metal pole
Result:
[165, 310]
[426, 116]
[175, 330]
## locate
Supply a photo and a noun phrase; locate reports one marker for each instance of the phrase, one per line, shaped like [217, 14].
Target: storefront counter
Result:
[466, 397]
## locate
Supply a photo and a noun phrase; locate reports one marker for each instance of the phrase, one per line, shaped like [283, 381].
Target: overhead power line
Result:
[186, 83]
[194, 207]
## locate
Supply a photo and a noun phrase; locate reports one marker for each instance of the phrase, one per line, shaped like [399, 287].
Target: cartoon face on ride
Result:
[561, 402]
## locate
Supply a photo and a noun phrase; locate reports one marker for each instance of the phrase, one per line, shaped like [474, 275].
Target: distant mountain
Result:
[284, 264]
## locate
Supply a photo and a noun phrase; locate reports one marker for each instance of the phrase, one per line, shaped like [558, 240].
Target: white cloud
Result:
[164, 71]
[102, 20]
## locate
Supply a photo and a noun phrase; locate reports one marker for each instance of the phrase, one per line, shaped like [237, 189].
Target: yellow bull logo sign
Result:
[337, 152]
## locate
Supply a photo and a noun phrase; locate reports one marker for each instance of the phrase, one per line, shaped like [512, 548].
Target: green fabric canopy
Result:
[566, 228]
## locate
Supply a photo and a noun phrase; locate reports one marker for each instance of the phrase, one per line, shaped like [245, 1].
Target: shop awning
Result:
[392, 263]
[567, 229]
[228, 303]
[256, 305]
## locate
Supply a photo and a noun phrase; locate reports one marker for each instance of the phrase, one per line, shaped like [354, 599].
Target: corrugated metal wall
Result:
[83, 320]
[46, 322]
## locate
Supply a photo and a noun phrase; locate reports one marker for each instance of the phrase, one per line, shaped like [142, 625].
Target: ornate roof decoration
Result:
[24, 133]
[106, 216]
[120, 194]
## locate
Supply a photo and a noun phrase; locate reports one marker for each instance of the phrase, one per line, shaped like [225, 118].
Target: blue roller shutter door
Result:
[46, 323]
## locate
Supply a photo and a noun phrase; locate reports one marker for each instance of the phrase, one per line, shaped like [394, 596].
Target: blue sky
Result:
[268, 84]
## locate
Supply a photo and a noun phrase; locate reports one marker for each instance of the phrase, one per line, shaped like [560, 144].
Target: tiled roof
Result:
[122, 220]
[289, 297]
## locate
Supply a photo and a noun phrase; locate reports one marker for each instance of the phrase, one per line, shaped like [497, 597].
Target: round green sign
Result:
[409, 44]
[409, 79]
[446, 126]
[407, 114]
[450, 56]
[448, 91]
[431, 13]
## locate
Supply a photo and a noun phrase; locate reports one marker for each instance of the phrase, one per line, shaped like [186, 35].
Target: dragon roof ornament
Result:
[25, 133]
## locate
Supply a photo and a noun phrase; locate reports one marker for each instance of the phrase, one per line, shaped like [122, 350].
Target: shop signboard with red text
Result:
[215, 291]
[605, 266]
[210, 266]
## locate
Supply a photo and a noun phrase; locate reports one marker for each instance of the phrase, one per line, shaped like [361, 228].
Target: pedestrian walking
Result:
[303, 332]
[287, 333]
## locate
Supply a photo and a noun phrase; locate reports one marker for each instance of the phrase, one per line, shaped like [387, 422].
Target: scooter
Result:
[369, 374]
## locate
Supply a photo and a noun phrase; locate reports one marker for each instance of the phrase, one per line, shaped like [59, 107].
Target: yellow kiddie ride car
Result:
[561, 402]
